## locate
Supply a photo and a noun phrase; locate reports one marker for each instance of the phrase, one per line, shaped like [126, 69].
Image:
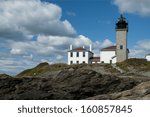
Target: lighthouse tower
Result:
[121, 39]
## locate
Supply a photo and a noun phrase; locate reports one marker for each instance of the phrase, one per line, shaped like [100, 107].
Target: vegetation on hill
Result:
[130, 65]
[45, 69]
[4, 76]
[41, 68]
[135, 64]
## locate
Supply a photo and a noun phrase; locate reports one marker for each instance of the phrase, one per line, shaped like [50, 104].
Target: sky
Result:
[35, 31]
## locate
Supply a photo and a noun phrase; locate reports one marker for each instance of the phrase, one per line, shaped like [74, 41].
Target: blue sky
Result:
[41, 31]
[96, 19]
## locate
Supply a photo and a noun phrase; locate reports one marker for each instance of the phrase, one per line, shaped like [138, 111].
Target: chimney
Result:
[91, 47]
[70, 47]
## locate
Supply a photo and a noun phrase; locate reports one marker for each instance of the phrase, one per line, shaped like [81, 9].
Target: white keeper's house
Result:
[80, 55]
[147, 57]
[111, 54]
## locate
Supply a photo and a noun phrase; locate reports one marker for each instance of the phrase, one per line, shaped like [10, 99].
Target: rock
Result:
[71, 69]
[141, 91]
[76, 83]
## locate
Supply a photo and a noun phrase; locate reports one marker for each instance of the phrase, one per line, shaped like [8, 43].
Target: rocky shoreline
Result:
[74, 84]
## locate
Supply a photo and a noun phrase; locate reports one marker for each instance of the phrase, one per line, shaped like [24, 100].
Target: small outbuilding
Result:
[147, 57]
[95, 59]
[108, 55]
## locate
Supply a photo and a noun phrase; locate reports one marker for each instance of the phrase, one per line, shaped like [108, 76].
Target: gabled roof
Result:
[80, 49]
[110, 48]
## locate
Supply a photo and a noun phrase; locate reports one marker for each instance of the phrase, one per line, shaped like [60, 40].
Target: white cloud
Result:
[14, 66]
[103, 44]
[19, 19]
[106, 43]
[29, 57]
[140, 49]
[16, 51]
[49, 45]
[141, 7]
[55, 45]
[144, 44]
[98, 45]
[81, 40]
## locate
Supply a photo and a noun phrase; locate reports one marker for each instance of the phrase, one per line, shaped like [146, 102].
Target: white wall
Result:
[148, 57]
[80, 58]
[114, 60]
[106, 56]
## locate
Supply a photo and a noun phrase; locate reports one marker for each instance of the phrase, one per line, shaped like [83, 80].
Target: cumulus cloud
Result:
[23, 18]
[55, 45]
[144, 44]
[14, 66]
[98, 45]
[141, 7]
[29, 57]
[51, 45]
[140, 49]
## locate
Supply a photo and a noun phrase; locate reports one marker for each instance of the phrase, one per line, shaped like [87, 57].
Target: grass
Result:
[134, 63]
[42, 68]
[128, 65]
[4, 75]
[45, 67]
[110, 68]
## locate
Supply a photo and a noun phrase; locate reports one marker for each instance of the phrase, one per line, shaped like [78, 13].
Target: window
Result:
[71, 54]
[121, 47]
[77, 54]
[77, 62]
[71, 62]
[83, 54]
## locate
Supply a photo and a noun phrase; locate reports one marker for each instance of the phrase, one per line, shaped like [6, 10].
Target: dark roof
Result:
[110, 48]
[122, 23]
[95, 59]
[79, 50]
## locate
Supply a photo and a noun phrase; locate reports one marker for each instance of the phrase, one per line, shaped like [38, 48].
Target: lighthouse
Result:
[121, 39]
